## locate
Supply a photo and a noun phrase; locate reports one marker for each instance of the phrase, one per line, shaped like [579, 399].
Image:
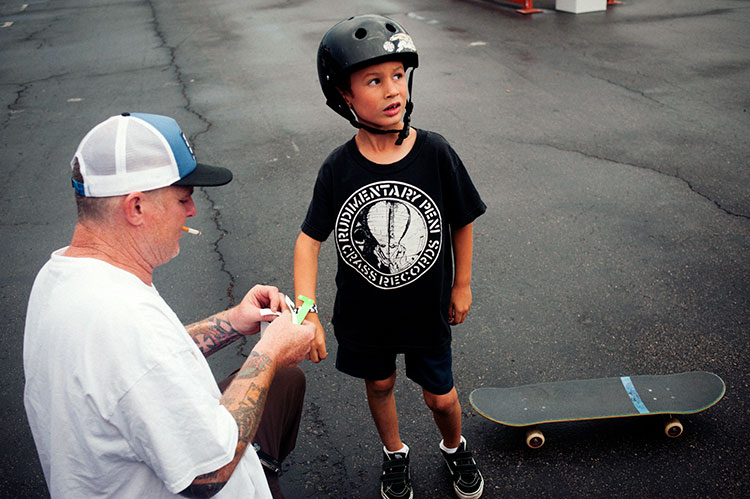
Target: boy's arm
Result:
[463, 242]
[306, 252]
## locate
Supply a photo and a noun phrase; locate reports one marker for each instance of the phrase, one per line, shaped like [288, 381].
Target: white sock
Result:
[402, 450]
[450, 451]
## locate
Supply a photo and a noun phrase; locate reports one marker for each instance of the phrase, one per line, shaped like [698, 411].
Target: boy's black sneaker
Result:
[395, 482]
[467, 480]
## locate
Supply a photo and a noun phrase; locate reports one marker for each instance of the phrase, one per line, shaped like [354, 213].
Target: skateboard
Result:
[605, 398]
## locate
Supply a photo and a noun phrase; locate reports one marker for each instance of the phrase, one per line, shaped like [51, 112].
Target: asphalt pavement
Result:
[610, 147]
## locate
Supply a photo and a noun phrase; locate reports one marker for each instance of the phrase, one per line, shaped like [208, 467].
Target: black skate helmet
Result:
[358, 42]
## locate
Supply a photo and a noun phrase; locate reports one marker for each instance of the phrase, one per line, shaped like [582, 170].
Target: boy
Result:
[402, 212]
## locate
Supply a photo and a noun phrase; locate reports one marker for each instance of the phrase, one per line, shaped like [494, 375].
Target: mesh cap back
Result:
[139, 152]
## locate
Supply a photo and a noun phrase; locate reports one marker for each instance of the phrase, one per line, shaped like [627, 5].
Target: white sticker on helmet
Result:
[399, 43]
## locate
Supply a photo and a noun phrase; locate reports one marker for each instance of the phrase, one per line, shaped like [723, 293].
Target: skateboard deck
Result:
[579, 400]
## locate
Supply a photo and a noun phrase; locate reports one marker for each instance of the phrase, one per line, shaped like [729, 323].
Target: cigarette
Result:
[191, 231]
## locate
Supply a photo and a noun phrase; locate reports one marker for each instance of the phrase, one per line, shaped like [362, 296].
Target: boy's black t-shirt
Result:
[391, 226]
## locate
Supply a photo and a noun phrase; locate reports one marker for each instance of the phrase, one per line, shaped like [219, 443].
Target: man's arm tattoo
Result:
[212, 334]
[254, 365]
[246, 411]
[247, 415]
[208, 489]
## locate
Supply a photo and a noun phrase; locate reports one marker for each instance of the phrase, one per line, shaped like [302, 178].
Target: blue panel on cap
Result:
[171, 131]
[79, 188]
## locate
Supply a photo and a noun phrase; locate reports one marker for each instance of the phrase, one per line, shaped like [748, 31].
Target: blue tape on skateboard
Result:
[633, 394]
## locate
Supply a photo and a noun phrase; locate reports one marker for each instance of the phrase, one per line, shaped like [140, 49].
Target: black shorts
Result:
[432, 371]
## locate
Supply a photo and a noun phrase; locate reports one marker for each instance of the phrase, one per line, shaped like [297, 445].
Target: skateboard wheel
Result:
[534, 438]
[673, 428]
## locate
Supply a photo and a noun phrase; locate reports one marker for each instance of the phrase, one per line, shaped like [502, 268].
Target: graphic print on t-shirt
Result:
[390, 232]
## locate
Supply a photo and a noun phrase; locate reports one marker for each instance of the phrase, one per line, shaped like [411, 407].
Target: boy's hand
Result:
[460, 304]
[318, 347]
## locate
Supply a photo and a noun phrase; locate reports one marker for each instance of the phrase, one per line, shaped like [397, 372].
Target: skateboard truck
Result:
[535, 438]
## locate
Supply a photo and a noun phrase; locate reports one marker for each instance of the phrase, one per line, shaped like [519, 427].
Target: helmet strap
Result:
[407, 115]
[404, 132]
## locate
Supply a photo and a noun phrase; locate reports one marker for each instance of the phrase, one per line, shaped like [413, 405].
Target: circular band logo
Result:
[389, 232]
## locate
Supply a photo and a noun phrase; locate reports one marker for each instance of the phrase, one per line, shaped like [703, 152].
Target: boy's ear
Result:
[346, 95]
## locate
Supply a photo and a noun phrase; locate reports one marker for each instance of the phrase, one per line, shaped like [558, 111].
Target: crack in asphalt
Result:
[331, 462]
[213, 208]
[660, 18]
[635, 91]
[12, 107]
[666, 174]
[23, 87]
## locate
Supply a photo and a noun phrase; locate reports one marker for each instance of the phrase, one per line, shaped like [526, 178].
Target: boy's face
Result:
[378, 94]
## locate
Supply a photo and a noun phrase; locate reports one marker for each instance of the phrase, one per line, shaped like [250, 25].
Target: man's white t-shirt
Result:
[120, 400]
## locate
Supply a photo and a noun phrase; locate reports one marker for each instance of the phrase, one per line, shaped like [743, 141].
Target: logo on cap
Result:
[187, 144]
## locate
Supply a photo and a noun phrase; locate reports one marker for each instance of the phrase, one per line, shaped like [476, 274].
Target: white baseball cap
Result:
[139, 152]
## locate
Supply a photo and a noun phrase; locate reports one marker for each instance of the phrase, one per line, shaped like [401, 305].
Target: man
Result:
[119, 396]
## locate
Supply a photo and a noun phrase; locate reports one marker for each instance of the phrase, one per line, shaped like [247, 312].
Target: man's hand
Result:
[245, 318]
[219, 330]
[286, 343]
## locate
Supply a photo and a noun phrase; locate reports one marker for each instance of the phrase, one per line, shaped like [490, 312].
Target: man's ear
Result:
[132, 206]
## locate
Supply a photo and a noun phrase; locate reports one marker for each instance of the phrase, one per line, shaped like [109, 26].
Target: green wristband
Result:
[307, 305]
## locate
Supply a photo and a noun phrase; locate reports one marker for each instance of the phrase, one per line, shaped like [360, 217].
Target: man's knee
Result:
[291, 381]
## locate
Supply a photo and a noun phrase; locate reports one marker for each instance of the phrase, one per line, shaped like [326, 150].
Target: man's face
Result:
[166, 212]
[378, 94]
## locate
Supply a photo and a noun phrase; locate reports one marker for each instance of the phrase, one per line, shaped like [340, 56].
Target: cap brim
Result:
[206, 176]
